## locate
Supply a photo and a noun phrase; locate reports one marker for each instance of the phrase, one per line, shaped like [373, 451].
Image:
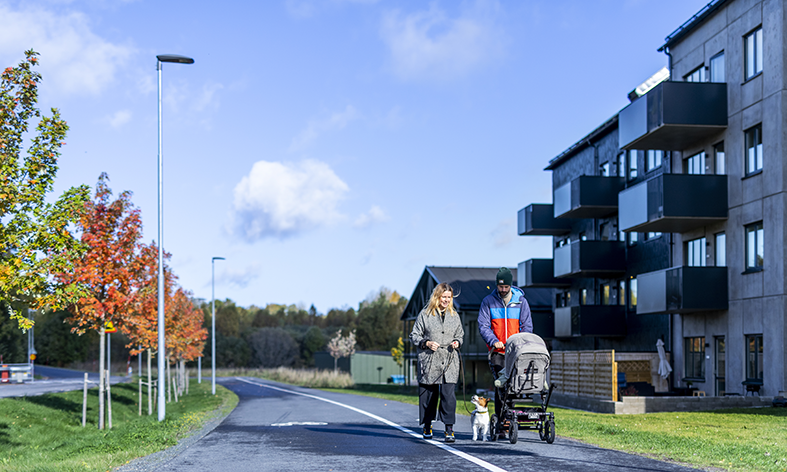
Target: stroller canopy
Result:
[523, 343]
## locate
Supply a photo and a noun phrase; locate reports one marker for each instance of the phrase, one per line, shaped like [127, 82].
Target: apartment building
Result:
[668, 219]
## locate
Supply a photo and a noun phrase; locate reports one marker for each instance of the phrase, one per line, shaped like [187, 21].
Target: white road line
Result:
[463, 455]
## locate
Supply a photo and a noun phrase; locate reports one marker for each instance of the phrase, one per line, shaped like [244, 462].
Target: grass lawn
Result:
[45, 433]
[743, 439]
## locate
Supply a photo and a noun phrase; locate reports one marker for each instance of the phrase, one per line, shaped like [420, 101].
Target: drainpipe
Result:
[669, 61]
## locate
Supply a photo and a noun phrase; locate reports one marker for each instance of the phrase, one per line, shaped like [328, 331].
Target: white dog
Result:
[479, 418]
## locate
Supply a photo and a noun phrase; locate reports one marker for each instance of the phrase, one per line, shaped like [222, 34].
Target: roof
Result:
[471, 285]
[691, 23]
[583, 143]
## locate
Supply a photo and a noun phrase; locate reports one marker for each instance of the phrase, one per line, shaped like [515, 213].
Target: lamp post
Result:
[162, 346]
[213, 322]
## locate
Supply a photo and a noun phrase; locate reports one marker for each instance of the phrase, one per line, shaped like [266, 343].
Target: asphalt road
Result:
[277, 427]
[54, 380]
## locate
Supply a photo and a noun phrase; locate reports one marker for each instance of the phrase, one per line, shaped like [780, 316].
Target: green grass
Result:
[742, 439]
[45, 433]
[312, 378]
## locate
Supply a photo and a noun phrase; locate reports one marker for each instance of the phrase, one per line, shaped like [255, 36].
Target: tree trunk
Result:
[101, 354]
[168, 378]
[335, 364]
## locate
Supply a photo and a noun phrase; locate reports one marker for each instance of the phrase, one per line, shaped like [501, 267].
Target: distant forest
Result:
[273, 336]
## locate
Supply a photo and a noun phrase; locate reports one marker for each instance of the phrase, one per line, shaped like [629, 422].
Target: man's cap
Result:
[504, 276]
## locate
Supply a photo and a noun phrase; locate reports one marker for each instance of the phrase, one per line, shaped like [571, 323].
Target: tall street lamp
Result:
[162, 346]
[213, 322]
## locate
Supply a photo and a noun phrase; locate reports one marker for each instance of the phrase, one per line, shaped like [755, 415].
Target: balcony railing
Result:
[673, 116]
[673, 203]
[682, 290]
[539, 273]
[590, 320]
[590, 259]
[587, 196]
[537, 219]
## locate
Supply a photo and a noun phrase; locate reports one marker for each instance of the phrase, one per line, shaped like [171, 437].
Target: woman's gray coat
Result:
[440, 366]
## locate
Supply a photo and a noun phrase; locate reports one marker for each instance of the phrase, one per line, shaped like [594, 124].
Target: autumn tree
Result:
[34, 239]
[378, 321]
[109, 269]
[186, 334]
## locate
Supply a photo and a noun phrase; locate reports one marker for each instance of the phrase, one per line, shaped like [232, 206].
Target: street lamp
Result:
[213, 322]
[162, 346]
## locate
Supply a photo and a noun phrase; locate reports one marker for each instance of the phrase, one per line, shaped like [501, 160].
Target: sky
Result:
[328, 148]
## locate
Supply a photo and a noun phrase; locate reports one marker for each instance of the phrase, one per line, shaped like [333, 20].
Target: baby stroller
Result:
[524, 376]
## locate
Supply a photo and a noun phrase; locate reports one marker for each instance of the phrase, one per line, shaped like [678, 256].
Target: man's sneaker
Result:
[427, 432]
[449, 437]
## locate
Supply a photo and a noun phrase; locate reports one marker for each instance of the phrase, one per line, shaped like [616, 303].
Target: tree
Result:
[313, 341]
[34, 239]
[273, 347]
[378, 320]
[397, 352]
[341, 346]
[109, 270]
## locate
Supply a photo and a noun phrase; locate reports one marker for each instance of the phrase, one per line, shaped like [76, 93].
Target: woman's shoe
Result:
[427, 432]
[449, 437]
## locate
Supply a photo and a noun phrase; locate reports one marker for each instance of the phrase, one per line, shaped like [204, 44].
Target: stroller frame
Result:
[515, 416]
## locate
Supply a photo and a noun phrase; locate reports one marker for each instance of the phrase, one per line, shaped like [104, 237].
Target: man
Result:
[503, 313]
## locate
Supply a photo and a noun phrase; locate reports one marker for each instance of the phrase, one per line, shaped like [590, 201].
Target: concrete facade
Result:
[757, 297]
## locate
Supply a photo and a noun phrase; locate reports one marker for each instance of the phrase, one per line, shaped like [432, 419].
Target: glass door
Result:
[720, 365]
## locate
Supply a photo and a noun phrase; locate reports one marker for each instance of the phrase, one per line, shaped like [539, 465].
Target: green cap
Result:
[504, 277]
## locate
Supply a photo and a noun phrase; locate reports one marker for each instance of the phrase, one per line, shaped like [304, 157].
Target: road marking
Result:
[300, 423]
[456, 452]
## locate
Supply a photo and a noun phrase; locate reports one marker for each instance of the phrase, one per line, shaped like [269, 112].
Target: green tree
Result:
[313, 341]
[379, 325]
[58, 345]
[34, 238]
[273, 347]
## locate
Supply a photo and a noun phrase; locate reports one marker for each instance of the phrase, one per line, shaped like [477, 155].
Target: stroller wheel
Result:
[493, 428]
[513, 431]
[541, 428]
[549, 431]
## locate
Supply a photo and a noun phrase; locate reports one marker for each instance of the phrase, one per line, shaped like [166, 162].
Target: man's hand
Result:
[500, 345]
[432, 345]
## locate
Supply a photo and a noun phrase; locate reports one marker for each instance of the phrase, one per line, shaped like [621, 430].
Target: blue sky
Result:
[328, 148]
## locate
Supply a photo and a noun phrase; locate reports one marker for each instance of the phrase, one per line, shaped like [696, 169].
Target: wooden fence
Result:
[586, 373]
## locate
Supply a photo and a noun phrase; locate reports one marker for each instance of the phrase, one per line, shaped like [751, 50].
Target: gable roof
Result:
[471, 285]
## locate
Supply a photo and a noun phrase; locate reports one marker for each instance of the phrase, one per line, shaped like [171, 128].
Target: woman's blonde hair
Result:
[434, 300]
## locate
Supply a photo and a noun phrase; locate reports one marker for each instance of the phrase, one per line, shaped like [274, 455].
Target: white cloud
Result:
[239, 277]
[430, 45]
[119, 118]
[74, 59]
[281, 200]
[310, 8]
[207, 98]
[336, 121]
[374, 215]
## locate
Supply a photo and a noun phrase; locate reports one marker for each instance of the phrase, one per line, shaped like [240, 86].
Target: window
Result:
[721, 365]
[622, 236]
[562, 299]
[621, 170]
[605, 169]
[695, 253]
[717, 68]
[695, 164]
[753, 53]
[720, 159]
[632, 164]
[633, 238]
[633, 292]
[606, 294]
[605, 230]
[652, 235]
[754, 247]
[721, 250]
[622, 292]
[583, 296]
[754, 149]
[654, 159]
[754, 357]
[694, 354]
[697, 75]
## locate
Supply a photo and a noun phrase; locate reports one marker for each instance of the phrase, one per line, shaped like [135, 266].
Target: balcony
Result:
[682, 290]
[603, 259]
[544, 324]
[539, 273]
[587, 197]
[590, 320]
[673, 203]
[673, 116]
[538, 219]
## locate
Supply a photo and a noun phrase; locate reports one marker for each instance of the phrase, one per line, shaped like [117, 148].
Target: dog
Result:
[479, 418]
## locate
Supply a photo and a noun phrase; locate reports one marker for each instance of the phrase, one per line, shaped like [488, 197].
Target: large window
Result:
[695, 164]
[697, 75]
[753, 53]
[632, 155]
[694, 354]
[695, 253]
[720, 159]
[755, 249]
[754, 357]
[606, 294]
[754, 149]
[717, 68]
[633, 238]
[633, 292]
[622, 292]
[654, 159]
[721, 250]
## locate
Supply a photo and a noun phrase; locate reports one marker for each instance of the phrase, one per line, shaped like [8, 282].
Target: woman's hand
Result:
[432, 345]
[455, 344]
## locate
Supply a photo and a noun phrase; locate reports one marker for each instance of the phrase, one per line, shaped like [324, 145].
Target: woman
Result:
[438, 334]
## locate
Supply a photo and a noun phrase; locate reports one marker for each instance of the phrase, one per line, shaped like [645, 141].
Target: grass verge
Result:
[312, 378]
[45, 433]
[743, 439]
